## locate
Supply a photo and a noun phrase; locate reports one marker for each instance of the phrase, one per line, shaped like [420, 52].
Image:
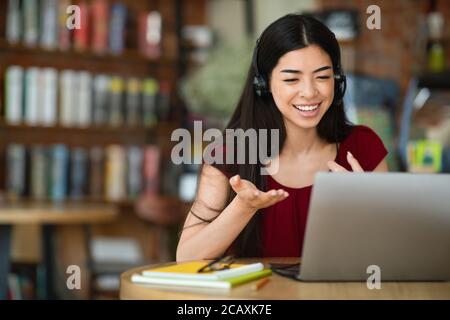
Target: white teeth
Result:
[306, 108]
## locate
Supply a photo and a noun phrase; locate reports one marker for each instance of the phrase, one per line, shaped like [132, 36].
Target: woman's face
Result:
[302, 86]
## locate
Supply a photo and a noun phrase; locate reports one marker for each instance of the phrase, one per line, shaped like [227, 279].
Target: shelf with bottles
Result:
[96, 27]
[44, 97]
[61, 173]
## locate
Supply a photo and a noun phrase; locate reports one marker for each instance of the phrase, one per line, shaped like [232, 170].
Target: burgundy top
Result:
[284, 223]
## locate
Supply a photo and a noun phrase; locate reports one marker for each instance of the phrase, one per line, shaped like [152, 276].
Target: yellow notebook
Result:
[185, 275]
[188, 271]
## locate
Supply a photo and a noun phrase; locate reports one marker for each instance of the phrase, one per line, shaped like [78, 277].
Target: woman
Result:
[296, 85]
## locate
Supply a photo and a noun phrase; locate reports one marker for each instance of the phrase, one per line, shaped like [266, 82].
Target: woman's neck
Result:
[301, 141]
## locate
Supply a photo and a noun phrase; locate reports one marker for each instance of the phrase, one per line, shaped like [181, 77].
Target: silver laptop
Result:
[399, 222]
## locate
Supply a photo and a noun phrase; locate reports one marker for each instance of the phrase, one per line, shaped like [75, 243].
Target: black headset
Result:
[261, 87]
[259, 82]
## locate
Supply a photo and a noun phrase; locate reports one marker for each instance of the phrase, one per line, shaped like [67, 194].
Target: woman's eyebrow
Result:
[298, 71]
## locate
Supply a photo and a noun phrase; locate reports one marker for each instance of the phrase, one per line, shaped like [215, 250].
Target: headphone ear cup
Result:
[259, 82]
[260, 85]
[343, 85]
[340, 87]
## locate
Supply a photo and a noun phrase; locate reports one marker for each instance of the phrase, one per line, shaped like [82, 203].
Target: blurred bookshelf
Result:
[126, 72]
[108, 44]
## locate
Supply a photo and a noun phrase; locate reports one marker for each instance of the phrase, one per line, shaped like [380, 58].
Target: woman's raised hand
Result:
[356, 167]
[252, 197]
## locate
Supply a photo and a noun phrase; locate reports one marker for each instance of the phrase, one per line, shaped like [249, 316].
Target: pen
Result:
[260, 284]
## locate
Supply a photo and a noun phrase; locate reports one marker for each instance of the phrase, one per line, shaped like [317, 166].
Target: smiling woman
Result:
[296, 85]
[303, 92]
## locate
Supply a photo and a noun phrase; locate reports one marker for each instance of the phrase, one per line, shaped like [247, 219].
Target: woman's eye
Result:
[290, 80]
[324, 77]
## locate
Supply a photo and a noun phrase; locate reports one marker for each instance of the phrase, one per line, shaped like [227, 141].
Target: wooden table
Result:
[48, 215]
[287, 289]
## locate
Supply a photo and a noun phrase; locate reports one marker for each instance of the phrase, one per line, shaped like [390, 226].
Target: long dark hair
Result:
[286, 34]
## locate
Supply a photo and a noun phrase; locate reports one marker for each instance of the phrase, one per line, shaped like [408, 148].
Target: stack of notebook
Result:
[186, 275]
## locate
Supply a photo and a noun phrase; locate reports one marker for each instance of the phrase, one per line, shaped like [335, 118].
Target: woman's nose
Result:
[307, 89]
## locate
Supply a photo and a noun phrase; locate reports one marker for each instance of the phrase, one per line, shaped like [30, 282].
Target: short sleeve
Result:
[367, 147]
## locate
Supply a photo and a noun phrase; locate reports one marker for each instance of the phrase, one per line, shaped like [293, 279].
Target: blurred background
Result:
[86, 116]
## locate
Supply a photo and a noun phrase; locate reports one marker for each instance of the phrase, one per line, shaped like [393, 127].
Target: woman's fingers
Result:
[244, 188]
[236, 183]
[258, 199]
[335, 167]
[281, 195]
[254, 197]
[266, 199]
[356, 167]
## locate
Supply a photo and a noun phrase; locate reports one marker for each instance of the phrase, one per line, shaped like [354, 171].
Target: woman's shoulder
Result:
[366, 145]
[219, 159]
[361, 131]
[361, 134]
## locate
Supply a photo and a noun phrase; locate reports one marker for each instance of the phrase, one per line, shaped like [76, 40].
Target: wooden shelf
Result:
[129, 64]
[65, 213]
[29, 202]
[78, 136]
[123, 206]
[94, 129]
[129, 56]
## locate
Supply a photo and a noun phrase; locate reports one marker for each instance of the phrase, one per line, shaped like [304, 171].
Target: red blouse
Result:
[284, 223]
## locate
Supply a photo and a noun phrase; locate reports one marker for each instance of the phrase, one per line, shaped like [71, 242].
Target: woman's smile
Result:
[308, 110]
